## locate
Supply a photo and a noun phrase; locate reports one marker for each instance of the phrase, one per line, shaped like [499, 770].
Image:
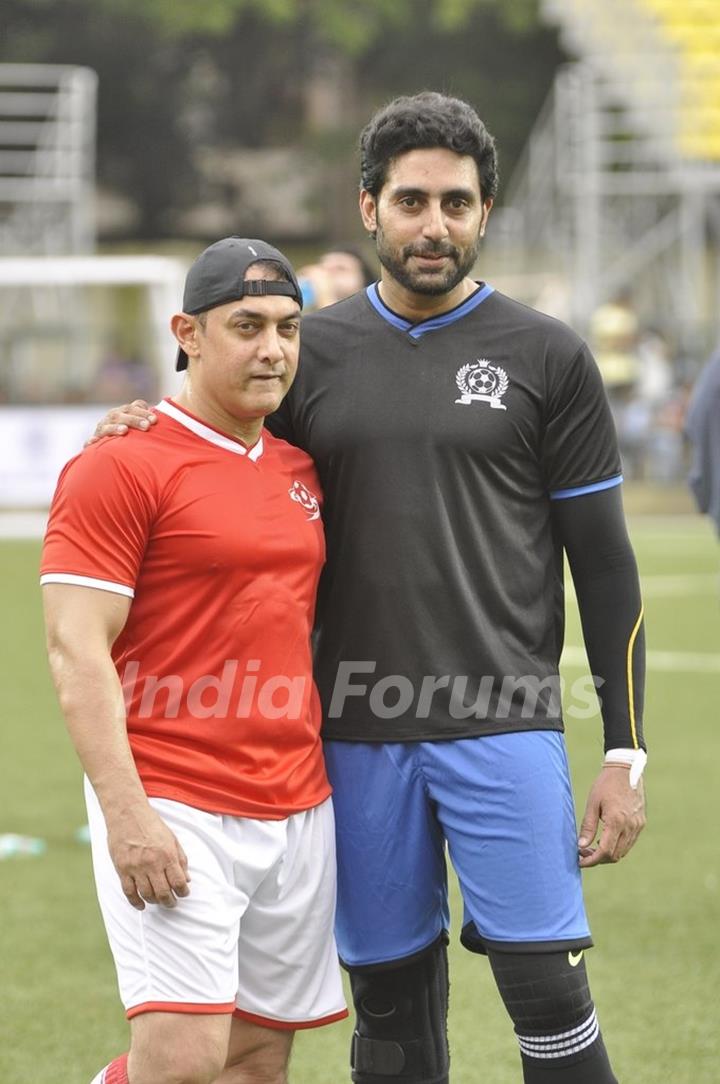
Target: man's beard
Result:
[428, 282]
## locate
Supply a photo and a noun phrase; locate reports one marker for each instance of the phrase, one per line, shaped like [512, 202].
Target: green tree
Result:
[179, 79]
[352, 25]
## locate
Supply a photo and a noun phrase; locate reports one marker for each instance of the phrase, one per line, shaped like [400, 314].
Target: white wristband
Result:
[636, 759]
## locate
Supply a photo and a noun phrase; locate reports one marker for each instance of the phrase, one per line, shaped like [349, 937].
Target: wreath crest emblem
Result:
[307, 500]
[482, 382]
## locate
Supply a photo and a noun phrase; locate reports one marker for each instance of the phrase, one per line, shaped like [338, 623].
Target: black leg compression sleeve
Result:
[401, 1026]
[548, 999]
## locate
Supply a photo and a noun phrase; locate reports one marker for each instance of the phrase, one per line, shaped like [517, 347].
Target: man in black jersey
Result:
[464, 443]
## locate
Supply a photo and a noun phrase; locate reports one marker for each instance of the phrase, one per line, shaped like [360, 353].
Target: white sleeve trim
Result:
[88, 581]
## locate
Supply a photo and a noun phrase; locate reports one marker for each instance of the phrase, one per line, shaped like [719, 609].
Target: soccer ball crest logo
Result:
[483, 382]
[307, 500]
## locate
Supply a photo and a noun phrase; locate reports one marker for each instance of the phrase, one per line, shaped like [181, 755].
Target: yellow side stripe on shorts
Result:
[631, 689]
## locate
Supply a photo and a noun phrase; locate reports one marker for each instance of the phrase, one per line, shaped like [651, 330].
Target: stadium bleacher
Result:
[665, 58]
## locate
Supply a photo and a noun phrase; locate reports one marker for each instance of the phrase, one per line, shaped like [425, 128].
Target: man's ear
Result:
[487, 207]
[185, 330]
[368, 211]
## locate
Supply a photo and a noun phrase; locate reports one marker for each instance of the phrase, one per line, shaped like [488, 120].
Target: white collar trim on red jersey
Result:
[211, 435]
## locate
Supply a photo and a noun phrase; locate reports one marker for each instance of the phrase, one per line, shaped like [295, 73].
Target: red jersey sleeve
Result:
[100, 519]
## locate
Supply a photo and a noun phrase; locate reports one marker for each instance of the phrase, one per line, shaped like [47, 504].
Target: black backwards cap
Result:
[218, 276]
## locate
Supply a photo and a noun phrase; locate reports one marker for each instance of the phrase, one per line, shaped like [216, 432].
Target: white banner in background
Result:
[35, 444]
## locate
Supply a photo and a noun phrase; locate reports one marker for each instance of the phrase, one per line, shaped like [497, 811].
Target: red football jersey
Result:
[220, 548]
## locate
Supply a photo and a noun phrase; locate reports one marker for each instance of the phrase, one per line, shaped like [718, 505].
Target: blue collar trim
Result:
[416, 331]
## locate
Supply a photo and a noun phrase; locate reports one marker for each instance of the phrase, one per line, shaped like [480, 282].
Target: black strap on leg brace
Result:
[401, 1025]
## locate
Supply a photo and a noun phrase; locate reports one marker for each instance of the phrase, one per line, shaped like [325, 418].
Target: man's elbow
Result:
[62, 659]
[72, 651]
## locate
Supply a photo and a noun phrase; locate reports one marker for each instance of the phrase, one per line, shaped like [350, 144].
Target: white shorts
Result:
[255, 935]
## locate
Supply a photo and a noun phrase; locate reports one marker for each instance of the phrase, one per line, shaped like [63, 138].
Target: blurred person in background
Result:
[614, 336]
[662, 406]
[338, 273]
[118, 373]
[464, 441]
[179, 579]
[614, 331]
[702, 428]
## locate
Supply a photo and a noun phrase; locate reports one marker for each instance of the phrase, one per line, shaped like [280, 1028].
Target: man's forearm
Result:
[82, 625]
[92, 704]
[606, 581]
[149, 861]
[612, 619]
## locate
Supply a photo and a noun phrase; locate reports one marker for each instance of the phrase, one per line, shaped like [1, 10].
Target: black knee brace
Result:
[548, 999]
[401, 1026]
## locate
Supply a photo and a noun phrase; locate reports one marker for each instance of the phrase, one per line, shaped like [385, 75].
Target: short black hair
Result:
[422, 121]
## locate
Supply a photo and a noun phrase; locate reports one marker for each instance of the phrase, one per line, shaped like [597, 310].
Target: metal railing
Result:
[605, 192]
[47, 159]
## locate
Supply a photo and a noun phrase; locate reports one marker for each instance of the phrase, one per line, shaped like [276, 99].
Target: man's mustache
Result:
[430, 250]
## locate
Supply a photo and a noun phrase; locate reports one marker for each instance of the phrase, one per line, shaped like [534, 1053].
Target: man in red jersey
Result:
[179, 577]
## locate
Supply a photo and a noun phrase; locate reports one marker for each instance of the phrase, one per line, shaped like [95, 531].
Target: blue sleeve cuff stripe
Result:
[594, 487]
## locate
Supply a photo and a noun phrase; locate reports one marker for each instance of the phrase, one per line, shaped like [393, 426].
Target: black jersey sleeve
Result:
[579, 445]
[280, 423]
[592, 530]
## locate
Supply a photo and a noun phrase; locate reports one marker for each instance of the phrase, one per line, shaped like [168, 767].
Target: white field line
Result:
[699, 583]
[664, 586]
[691, 584]
[687, 662]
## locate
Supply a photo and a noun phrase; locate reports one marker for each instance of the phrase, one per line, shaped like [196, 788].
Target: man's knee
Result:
[175, 1048]
[257, 1055]
[548, 998]
[401, 1026]
[173, 1067]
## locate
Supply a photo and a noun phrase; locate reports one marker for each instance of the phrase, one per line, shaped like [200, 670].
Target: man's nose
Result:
[271, 347]
[435, 223]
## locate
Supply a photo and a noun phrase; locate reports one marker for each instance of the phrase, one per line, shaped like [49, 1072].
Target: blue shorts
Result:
[504, 806]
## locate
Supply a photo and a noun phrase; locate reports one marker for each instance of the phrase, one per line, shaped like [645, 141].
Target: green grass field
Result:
[656, 917]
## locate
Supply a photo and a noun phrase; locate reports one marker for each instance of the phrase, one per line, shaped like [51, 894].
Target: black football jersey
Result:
[440, 447]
